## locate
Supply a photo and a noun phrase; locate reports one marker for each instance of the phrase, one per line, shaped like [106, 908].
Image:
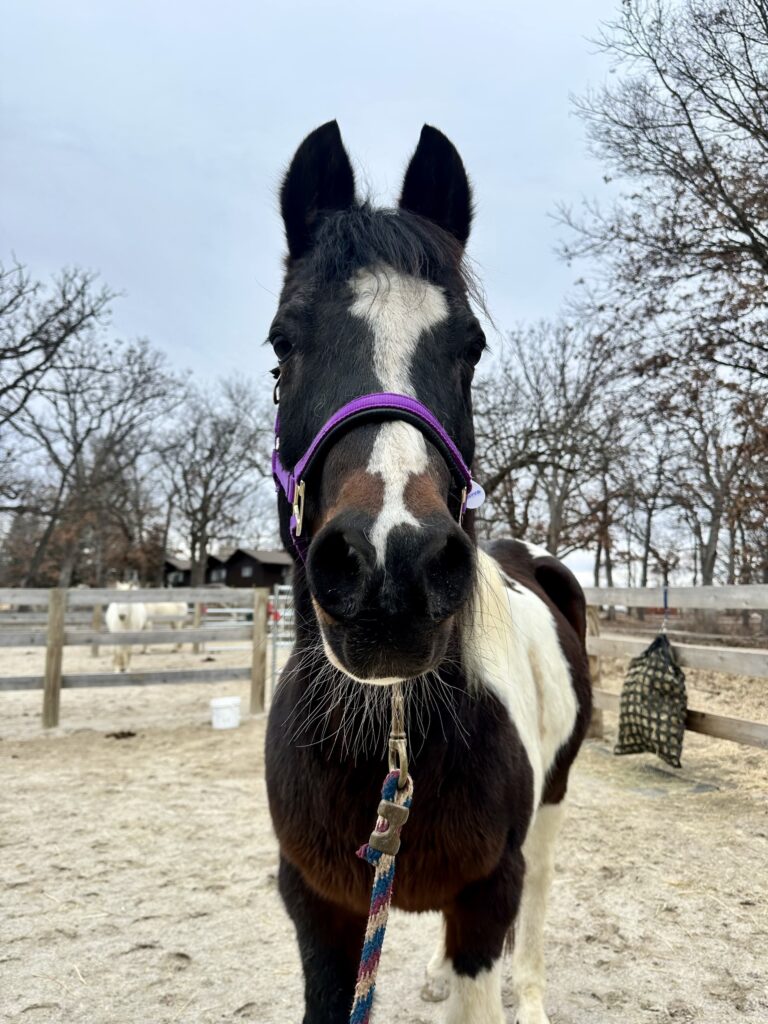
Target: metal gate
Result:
[281, 628]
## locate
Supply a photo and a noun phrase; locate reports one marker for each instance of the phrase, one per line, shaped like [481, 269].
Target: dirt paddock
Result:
[138, 873]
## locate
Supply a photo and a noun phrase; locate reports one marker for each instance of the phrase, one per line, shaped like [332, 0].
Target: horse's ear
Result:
[320, 178]
[436, 185]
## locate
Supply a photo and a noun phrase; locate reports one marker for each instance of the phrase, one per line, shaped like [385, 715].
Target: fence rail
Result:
[736, 597]
[82, 637]
[21, 632]
[747, 661]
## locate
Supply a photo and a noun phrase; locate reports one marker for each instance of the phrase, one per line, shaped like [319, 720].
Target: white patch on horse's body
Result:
[399, 309]
[528, 971]
[511, 646]
[437, 981]
[535, 550]
[476, 1000]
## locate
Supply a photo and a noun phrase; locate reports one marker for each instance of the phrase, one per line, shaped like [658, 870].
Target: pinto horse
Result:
[376, 344]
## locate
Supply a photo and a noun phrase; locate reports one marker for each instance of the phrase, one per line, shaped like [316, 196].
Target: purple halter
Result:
[380, 405]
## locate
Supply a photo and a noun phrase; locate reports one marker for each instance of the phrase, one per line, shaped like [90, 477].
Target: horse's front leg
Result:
[528, 958]
[330, 942]
[476, 927]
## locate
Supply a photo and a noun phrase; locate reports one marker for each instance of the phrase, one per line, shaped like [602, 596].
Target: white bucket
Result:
[225, 712]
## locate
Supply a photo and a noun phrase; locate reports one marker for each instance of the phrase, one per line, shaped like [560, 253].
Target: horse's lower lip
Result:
[343, 652]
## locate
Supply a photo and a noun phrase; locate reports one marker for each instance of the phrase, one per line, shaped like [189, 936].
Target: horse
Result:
[376, 344]
[166, 609]
[124, 618]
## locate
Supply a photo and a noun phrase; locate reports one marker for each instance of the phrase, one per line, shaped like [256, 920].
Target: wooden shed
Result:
[176, 571]
[216, 570]
[247, 567]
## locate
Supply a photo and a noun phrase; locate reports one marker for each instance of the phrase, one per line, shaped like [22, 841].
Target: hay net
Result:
[653, 705]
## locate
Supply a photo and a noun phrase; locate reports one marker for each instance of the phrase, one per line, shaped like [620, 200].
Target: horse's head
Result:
[377, 301]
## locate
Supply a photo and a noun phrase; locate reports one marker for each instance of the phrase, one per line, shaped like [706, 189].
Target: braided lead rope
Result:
[395, 802]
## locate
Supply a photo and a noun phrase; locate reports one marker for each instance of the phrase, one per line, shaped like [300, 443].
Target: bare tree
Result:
[92, 413]
[36, 323]
[544, 431]
[684, 250]
[718, 455]
[216, 468]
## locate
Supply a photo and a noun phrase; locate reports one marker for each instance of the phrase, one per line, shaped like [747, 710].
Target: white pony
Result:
[125, 618]
[166, 609]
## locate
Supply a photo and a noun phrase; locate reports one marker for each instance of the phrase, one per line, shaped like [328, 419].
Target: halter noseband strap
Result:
[377, 406]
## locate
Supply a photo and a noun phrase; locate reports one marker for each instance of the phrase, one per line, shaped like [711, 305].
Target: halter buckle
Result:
[298, 508]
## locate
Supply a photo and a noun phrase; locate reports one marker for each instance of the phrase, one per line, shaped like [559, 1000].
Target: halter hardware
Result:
[298, 508]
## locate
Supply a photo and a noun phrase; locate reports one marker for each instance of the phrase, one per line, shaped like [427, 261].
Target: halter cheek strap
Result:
[377, 406]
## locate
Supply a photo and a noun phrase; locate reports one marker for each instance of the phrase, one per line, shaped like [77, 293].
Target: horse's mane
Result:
[364, 236]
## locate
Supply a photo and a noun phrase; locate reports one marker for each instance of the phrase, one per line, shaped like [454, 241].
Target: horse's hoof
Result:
[435, 990]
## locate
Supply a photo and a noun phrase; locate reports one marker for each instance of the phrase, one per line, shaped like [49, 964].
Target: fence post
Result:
[57, 604]
[259, 655]
[96, 623]
[197, 614]
[595, 730]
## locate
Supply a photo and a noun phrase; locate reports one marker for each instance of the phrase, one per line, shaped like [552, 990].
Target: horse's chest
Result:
[470, 801]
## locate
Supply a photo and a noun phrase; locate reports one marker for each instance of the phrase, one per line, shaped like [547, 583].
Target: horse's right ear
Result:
[319, 179]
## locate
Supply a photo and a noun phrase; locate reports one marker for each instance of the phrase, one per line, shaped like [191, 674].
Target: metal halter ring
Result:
[398, 757]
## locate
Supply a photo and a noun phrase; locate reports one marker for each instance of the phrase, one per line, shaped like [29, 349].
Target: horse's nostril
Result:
[448, 574]
[339, 567]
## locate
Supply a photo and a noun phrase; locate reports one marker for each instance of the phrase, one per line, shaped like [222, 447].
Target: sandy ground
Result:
[138, 873]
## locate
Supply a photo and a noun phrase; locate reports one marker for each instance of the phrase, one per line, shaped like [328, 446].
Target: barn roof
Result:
[182, 564]
[268, 557]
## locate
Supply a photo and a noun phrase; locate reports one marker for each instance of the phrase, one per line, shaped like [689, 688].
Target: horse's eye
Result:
[475, 349]
[281, 346]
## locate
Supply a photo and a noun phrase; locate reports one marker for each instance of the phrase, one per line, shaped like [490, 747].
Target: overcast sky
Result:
[146, 141]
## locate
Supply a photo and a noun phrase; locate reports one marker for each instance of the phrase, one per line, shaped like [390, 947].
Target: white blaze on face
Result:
[399, 309]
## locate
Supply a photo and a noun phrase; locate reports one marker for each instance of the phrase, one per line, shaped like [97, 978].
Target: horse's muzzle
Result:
[390, 620]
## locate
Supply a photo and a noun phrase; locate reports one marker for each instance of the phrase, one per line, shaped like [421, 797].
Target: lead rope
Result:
[380, 851]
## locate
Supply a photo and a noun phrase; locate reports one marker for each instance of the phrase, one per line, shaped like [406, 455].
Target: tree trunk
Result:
[598, 556]
[42, 546]
[731, 554]
[199, 560]
[68, 562]
[609, 572]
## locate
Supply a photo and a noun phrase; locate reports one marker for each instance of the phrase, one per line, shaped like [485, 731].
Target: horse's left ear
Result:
[319, 179]
[436, 185]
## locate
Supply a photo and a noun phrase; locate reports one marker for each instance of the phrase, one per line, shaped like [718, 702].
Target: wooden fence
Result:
[23, 629]
[63, 610]
[718, 658]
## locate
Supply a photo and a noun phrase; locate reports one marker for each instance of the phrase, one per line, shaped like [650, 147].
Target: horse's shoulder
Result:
[534, 567]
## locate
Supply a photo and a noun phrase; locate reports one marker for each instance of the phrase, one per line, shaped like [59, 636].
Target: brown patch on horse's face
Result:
[423, 496]
[358, 490]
